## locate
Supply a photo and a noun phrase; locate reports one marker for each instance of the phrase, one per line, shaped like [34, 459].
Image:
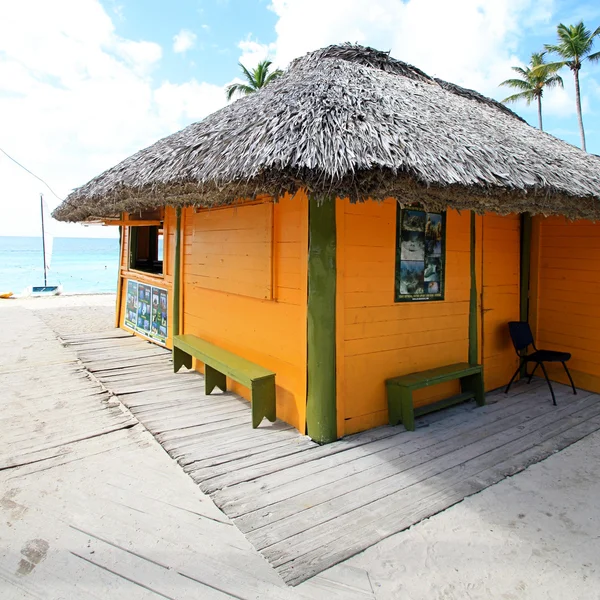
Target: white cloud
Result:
[183, 41]
[254, 52]
[190, 101]
[75, 99]
[140, 55]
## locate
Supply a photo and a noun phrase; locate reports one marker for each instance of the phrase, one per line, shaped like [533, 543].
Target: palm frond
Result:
[248, 75]
[527, 96]
[553, 67]
[555, 81]
[521, 71]
[575, 43]
[274, 75]
[241, 89]
[518, 84]
[256, 79]
[552, 48]
[534, 78]
[260, 73]
[594, 57]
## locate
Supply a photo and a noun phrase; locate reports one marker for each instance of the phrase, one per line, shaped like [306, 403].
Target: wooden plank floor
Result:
[307, 507]
[91, 507]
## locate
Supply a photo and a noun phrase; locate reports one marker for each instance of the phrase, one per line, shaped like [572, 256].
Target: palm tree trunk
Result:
[539, 99]
[578, 101]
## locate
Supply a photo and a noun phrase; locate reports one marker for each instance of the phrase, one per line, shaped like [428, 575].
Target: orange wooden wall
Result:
[270, 332]
[500, 303]
[565, 313]
[378, 338]
[164, 281]
[233, 250]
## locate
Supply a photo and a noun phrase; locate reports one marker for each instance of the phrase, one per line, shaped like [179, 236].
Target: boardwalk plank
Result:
[367, 470]
[401, 516]
[396, 481]
[307, 507]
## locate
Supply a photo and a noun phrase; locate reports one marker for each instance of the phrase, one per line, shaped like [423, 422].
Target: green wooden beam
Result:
[321, 410]
[473, 334]
[525, 272]
[177, 275]
[119, 302]
[525, 264]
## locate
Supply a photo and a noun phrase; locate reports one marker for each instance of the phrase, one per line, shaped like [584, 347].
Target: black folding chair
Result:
[522, 338]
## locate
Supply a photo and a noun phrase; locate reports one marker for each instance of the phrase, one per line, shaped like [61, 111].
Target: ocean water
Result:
[80, 265]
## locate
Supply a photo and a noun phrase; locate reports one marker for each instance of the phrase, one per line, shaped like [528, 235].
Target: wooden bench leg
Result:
[400, 407]
[213, 378]
[408, 411]
[394, 405]
[474, 384]
[263, 400]
[181, 359]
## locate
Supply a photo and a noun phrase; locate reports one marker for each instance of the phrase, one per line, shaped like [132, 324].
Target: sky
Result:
[86, 83]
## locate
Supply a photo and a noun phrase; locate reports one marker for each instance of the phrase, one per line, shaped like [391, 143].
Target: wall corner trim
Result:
[321, 410]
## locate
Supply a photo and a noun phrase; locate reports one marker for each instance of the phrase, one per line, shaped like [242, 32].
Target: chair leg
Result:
[533, 372]
[548, 382]
[512, 379]
[570, 378]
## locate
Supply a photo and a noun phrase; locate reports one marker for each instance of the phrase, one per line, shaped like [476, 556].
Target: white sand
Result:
[71, 313]
[533, 536]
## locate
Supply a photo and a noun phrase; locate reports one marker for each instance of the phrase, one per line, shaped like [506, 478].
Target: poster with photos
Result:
[146, 310]
[131, 305]
[158, 323]
[420, 255]
[143, 322]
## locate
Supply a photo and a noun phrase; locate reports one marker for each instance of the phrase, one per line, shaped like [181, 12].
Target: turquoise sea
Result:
[80, 265]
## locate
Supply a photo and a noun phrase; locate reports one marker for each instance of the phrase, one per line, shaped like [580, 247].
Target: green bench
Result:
[220, 364]
[400, 391]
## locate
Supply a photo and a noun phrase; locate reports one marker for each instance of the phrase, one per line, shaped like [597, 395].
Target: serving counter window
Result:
[146, 249]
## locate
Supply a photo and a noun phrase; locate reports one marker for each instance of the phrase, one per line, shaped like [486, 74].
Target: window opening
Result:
[147, 249]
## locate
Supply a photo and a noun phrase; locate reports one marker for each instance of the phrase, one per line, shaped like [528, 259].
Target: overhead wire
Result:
[30, 172]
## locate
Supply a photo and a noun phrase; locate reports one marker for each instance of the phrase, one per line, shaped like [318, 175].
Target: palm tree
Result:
[575, 44]
[534, 78]
[257, 78]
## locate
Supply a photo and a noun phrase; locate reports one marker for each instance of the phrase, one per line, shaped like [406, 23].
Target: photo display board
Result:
[420, 255]
[146, 310]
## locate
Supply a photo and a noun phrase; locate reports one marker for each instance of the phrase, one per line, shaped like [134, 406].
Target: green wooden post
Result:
[473, 335]
[321, 410]
[177, 276]
[119, 302]
[525, 272]
[525, 264]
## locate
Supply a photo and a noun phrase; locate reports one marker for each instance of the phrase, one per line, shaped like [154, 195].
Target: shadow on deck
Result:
[307, 507]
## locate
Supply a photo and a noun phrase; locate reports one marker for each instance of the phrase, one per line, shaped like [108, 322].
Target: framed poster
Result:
[131, 306]
[146, 310]
[143, 322]
[158, 322]
[420, 255]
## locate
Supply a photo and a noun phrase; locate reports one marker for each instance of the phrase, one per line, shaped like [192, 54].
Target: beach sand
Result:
[535, 535]
[71, 313]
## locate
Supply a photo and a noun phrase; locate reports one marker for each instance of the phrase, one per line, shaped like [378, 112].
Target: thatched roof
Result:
[353, 122]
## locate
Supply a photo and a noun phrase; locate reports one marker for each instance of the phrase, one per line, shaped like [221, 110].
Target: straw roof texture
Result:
[353, 122]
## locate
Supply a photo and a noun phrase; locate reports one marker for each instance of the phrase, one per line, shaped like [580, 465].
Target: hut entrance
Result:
[500, 301]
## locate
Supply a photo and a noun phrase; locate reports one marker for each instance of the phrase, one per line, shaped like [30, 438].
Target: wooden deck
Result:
[307, 507]
[91, 507]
